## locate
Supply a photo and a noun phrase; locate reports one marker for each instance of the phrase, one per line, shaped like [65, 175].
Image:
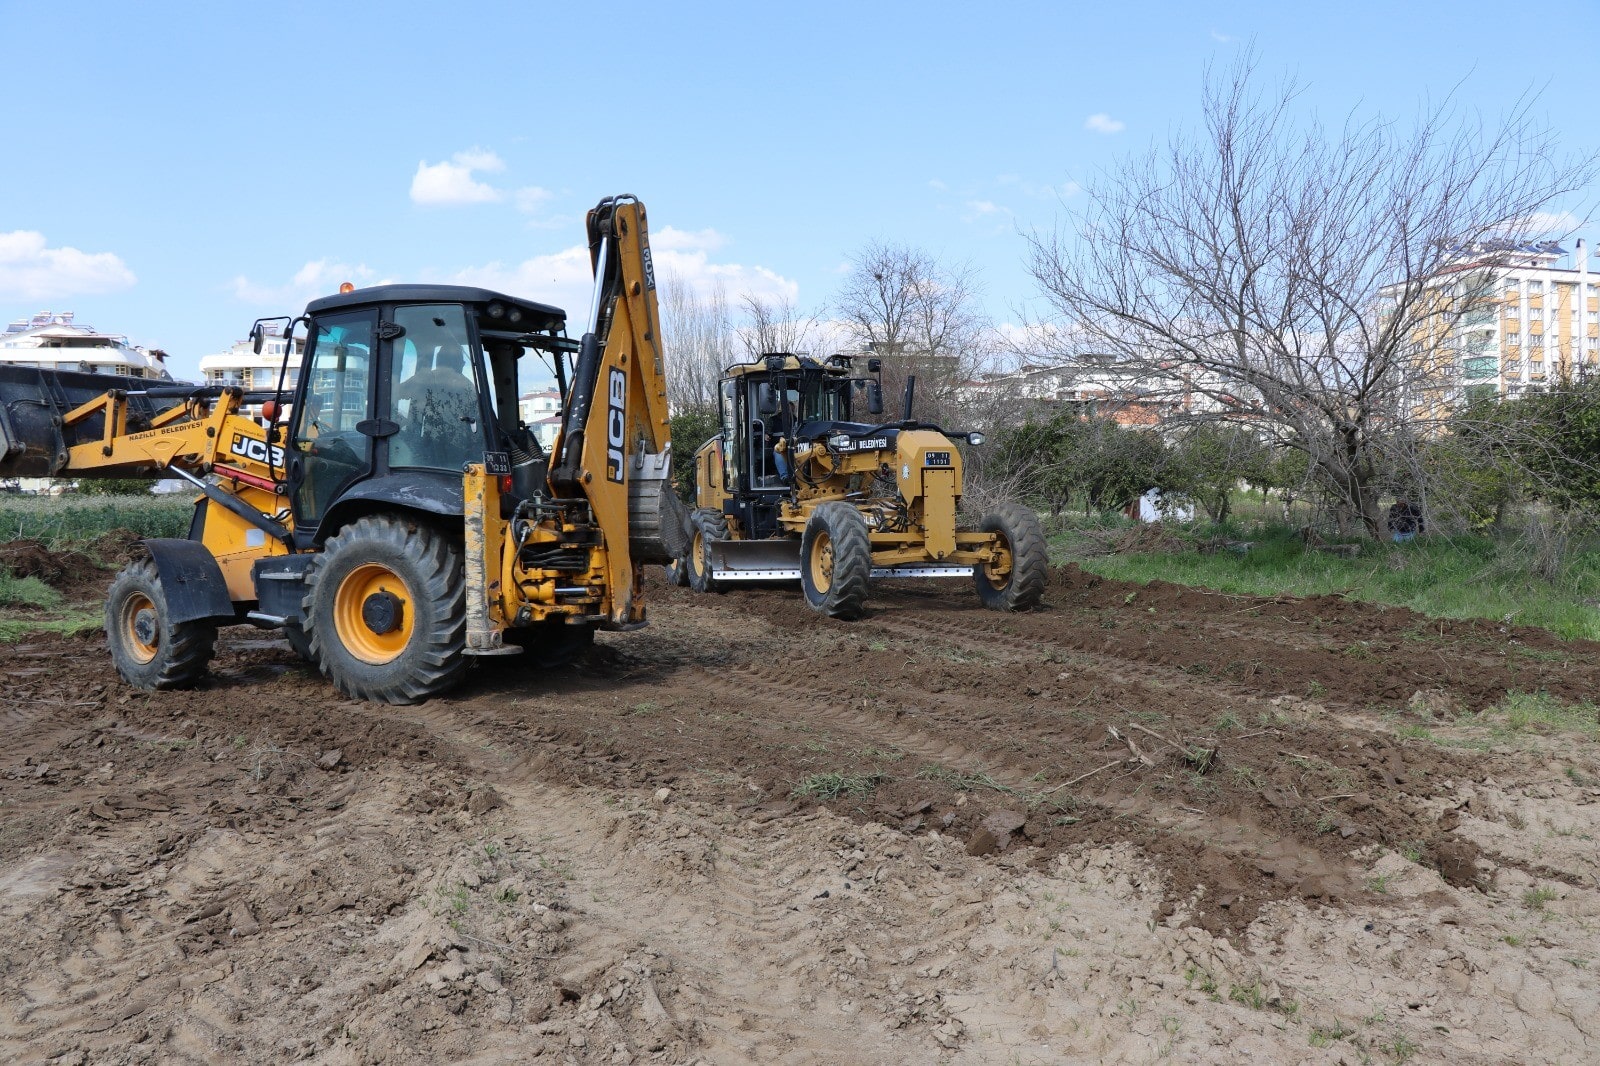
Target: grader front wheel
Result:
[150, 650]
[1015, 579]
[836, 560]
[385, 610]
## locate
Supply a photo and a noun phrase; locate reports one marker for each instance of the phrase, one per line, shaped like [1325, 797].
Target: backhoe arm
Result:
[615, 444]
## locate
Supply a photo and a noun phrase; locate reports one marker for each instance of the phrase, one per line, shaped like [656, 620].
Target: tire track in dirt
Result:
[648, 873]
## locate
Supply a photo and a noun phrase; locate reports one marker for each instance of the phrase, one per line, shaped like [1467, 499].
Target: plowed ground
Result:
[1139, 824]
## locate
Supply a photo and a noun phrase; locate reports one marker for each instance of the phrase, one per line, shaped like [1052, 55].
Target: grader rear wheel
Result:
[706, 527]
[836, 560]
[385, 610]
[150, 650]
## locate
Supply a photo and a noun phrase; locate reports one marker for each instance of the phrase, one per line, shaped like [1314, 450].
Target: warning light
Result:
[347, 287]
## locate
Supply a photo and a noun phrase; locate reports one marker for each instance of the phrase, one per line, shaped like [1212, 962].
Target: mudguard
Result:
[426, 491]
[191, 580]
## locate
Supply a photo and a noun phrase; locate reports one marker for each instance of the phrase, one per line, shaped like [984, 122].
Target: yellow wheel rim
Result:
[697, 559]
[139, 613]
[822, 562]
[997, 571]
[372, 598]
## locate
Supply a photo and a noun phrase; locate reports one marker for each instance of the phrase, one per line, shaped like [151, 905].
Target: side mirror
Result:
[766, 399]
[874, 398]
[874, 366]
[257, 336]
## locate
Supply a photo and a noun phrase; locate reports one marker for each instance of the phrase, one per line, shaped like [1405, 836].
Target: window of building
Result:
[1513, 340]
[1535, 288]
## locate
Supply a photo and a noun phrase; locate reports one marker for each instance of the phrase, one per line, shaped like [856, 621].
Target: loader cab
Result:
[401, 387]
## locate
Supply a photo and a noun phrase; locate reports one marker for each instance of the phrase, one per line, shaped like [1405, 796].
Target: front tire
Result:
[150, 650]
[705, 527]
[385, 610]
[1017, 581]
[836, 560]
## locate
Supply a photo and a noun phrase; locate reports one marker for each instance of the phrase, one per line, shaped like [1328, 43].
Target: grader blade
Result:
[777, 559]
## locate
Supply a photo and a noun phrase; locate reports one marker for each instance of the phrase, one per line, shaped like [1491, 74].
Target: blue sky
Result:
[174, 170]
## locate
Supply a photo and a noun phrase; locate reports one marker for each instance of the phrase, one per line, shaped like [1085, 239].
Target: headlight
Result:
[974, 438]
[839, 440]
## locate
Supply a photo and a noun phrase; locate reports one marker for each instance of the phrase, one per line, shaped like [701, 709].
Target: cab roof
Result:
[835, 365]
[536, 316]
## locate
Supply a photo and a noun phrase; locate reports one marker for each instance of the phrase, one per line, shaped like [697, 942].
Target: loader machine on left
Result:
[389, 512]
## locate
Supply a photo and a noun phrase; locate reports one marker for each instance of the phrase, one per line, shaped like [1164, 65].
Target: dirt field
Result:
[1141, 824]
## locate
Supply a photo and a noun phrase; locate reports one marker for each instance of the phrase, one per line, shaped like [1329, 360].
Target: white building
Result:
[1527, 321]
[54, 341]
[541, 412]
[242, 367]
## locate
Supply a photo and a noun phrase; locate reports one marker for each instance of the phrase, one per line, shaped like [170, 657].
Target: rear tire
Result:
[1021, 586]
[550, 645]
[836, 560]
[385, 610]
[705, 527]
[150, 650]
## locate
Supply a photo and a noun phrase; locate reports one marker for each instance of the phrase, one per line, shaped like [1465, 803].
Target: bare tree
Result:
[922, 318]
[699, 340]
[775, 326]
[1301, 279]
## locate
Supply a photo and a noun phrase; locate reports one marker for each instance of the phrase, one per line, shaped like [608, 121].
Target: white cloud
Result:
[566, 280]
[1104, 123]
[531, 197]
[672, 239]
[1548, 224]
[985, 207]
[31, 270]
[937, 185]
[452, 182]
[1221, 38]
[319, 277]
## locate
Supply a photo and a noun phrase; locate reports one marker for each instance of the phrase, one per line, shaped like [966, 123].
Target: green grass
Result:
[1543, 712]
[64, 520]
[1459, 577]
[26, 592]
[832, 786]
[28, 605]
[68, 624]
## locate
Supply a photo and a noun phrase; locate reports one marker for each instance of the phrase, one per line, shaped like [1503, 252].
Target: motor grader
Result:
[796, 486]
[387, 511]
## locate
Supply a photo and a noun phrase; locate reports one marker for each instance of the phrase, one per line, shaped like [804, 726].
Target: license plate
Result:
[936, 459]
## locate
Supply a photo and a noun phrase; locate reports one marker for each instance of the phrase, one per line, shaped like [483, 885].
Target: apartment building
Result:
[241, 366]
[56, 341]
[1511, 317]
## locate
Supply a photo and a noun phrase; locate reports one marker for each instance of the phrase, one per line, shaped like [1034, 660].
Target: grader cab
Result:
[807, 482]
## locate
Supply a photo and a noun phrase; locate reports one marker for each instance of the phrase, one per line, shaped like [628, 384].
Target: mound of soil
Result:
[76, 573]
[31, 558]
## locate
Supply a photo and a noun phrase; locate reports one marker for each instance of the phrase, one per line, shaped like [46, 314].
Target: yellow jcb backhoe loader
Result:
[795, 487]
[391, 515]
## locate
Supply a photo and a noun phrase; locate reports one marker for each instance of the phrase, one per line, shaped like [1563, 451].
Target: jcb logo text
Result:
[257, 450]
[616, 424]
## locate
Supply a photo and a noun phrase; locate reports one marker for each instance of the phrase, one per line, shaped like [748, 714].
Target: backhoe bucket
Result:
[33, 442]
